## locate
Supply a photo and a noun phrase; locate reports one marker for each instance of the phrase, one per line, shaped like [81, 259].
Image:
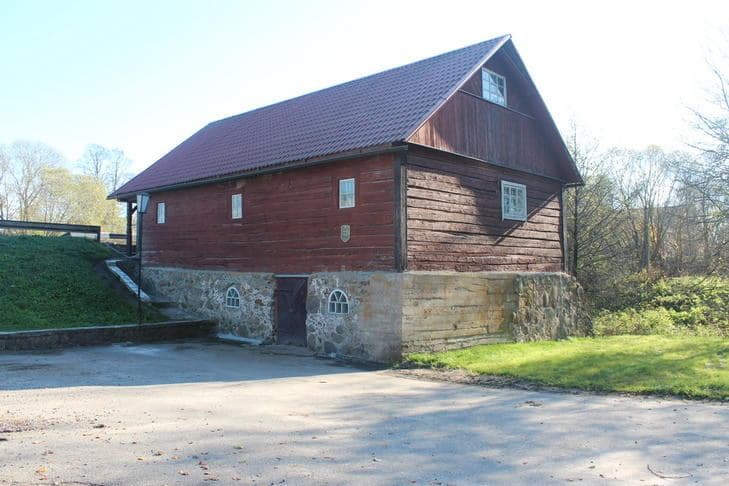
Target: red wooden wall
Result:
[512, 136]
[454, 218]
[291, 222]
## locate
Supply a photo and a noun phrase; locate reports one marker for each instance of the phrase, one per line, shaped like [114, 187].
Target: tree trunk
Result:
[575, 232]
[645, 259]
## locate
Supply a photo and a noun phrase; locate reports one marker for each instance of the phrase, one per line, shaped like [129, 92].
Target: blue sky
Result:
[142, 76]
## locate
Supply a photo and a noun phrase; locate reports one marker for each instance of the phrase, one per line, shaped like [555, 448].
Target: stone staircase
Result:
[165, 306]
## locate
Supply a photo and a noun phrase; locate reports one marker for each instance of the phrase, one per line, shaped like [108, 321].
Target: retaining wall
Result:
[97, 335]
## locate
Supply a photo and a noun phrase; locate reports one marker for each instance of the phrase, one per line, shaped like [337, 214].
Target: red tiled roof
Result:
[375, 110]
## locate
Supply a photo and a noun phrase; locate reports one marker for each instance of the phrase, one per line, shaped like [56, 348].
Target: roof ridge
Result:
[498, 45]
[339, 85]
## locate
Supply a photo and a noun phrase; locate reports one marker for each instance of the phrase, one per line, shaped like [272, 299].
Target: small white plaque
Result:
[344, 232]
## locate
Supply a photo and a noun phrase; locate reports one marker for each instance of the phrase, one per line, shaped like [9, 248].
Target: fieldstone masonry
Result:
[371, 330]
[548, 306]
[390, 314]
[203, 292]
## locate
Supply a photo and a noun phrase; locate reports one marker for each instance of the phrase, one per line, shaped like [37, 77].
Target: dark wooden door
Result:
[291, 310]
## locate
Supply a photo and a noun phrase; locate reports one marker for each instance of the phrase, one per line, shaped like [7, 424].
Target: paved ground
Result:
[189, 412]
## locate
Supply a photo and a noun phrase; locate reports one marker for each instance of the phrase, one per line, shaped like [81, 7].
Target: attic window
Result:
[494, 87]
[513, 201]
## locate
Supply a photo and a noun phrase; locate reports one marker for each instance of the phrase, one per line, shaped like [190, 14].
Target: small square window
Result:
[494, 87]
[236, 201]
[161, 213]
[513, 201]
[346, 193]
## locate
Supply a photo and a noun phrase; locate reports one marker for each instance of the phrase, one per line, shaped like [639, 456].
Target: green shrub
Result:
[667, 306]
[631, 321]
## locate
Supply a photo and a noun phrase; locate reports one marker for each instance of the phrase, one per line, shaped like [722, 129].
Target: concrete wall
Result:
[390, 314]
[445, 310]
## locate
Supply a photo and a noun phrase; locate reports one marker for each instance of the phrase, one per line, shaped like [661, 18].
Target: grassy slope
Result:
[48, 282]
[696, 367]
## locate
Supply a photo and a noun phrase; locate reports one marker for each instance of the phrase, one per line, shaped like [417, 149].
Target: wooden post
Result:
[563, 229]
[401, 218]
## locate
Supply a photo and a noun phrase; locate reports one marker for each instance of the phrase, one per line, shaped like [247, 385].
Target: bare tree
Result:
[4, 175]
[107, 165]
[708, 175]
[590, 214]
[27, 162]
[94, 161]
[643, 186]
[117, 169]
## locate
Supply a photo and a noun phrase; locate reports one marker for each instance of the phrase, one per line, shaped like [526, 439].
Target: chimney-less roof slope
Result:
[375, 110]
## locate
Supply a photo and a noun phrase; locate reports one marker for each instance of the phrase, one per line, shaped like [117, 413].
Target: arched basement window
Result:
[232, 298]
[338, 302]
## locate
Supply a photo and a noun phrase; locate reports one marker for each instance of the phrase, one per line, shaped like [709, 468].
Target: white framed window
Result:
[493, 86]
[513, 201]
[236, 204]
[232, 298]
[161, 213]
[338, 302]
[346, 193]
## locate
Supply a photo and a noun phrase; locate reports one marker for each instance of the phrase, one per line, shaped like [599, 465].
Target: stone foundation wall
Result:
[447, 310]
[371, 330]
[548, 306]
[390, 314]
[203, 292]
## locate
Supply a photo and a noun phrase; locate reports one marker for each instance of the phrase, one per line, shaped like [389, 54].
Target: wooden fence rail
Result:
[39, 226]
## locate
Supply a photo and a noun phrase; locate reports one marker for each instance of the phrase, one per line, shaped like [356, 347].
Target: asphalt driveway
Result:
[188, 413]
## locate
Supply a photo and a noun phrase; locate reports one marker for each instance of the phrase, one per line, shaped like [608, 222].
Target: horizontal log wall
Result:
[291, 222]
[514, 136]
[454, 218]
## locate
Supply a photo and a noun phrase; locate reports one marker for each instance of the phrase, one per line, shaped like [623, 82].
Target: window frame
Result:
[513, 215]
[354, 193]
[161, 206]
[485, 79]
[239, 198]
[337, 306]
[235, 299]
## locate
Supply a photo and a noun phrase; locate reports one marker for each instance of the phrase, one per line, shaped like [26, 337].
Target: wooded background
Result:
[38, 184]
[652, 211]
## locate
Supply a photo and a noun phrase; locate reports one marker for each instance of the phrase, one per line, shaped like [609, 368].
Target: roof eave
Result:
[397, 146]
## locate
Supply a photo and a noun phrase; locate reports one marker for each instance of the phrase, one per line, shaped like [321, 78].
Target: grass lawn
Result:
[695, 367]
[50, 282]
